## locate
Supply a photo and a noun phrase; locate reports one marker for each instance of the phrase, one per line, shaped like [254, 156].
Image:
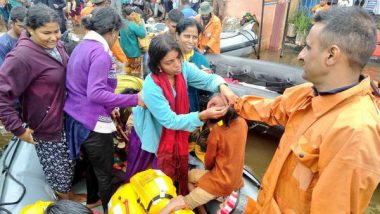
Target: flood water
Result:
[260, 149]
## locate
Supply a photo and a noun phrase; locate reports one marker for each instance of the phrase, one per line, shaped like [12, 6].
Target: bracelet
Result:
[221, 85]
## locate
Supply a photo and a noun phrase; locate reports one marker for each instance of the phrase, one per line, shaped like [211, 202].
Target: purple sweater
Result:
[91, 82]
[30, 74]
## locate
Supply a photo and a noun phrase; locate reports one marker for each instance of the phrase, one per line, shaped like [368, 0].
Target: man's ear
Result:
[333, 55]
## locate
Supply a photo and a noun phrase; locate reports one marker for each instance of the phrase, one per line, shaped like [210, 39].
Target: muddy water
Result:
[260, 149]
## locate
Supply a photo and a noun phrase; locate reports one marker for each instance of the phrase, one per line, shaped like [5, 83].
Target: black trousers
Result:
[98, 150]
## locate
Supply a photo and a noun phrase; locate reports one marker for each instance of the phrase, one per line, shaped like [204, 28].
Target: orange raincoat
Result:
[210, 35]
[328, 160]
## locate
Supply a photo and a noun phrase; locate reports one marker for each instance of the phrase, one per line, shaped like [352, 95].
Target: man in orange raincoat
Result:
[209, 39]
[328, 160]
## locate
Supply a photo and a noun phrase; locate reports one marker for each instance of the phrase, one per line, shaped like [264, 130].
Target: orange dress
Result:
[225, 158]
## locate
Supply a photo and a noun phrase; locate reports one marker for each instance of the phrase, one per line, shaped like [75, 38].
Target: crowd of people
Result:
[63, 104]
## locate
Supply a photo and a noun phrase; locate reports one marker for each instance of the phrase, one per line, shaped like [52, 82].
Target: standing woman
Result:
[163, 127]
[187, 33]
[132, 29]
[34, 73]
[91, 82]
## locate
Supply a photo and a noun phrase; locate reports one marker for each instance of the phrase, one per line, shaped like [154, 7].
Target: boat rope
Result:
[7, 173]
[254, 41]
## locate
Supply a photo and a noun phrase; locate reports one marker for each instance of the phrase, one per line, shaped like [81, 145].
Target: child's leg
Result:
[198, 197]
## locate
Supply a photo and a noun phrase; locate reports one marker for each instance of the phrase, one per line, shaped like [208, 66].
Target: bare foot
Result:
[93, 205]
[78, 197]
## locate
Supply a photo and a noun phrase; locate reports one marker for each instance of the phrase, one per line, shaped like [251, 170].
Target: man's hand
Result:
[206, 49]
[228, 94]
[55, 6]
[27, 136]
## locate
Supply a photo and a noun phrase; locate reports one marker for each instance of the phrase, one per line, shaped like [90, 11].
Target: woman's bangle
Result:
[221, 85]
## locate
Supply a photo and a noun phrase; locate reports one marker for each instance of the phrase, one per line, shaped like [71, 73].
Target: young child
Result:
[224, 161]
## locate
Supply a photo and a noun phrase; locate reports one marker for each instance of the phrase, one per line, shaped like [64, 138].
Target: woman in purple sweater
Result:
[34, 73]
[91, 81]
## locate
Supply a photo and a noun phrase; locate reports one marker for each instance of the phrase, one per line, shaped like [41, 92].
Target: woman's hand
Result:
[140, 101]
[115, 113]
[27, 136]
[213, 113]
[174, 204]
[228, 94]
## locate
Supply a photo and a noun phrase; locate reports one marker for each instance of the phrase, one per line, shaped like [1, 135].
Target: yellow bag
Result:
[36, 208]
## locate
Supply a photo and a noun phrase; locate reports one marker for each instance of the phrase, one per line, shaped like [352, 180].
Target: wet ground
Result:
[260, 149]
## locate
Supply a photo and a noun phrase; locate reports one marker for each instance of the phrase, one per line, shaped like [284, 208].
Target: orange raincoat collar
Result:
[322, 104]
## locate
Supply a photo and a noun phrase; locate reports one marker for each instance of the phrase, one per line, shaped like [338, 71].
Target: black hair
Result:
[175, 15]
[18, 14]
[185, 23]
[102, 20]
[40, 14]
[67, 206]
[126, 112]
[158, 48]
[357, 43]
[127, 11]
[230, 116]
[227, 118]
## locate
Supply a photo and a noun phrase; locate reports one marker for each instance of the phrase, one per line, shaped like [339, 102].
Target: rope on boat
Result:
[254, 41]
[7, 173]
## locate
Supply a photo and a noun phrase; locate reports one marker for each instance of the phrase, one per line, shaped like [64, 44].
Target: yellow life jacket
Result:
[148, 192]
[124, 201]
[36, 208]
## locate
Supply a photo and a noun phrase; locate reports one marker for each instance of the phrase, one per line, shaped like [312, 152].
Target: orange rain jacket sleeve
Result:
[328, 158]
[211, 35]
[118, 52]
